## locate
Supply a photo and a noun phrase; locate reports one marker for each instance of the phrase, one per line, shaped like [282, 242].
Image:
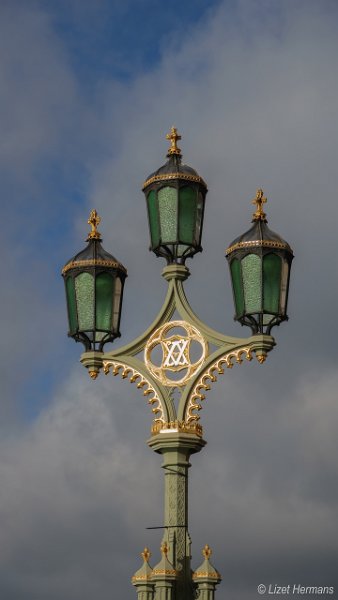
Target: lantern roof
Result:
[93, 255]
[259, 235]
[174, 169]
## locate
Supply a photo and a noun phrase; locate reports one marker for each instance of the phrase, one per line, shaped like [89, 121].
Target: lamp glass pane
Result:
[237, 286]
[199, 217]
[153, 219]
[284, 286]
[252, 282]
[167, 202]
[104, 288]
[84, 287]
[116, 304]
[272, 267]
[71, 302]
[187, 215]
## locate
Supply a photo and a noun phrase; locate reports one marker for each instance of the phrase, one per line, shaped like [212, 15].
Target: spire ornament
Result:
[207, 552]
[94, 221]
[146, 554]
[173, 136]
[259, 215]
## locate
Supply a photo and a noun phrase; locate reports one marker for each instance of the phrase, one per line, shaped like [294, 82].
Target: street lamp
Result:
[192, 355]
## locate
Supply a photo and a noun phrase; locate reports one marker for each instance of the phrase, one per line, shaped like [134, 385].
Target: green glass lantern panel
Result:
[237, 286]
[167, 202]
[199, 217]
[71, 303]
[252, 283]
[104, 289]
[117, 304]
[272, 270]
[153, 219]
[84, 287]
[187, 215]
[284, 286]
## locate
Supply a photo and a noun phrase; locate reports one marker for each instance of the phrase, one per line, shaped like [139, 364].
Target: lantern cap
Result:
[94, 255]
[174, 169]
[259, 235]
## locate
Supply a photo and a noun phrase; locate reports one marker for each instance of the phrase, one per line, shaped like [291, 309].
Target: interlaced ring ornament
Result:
[176, 353]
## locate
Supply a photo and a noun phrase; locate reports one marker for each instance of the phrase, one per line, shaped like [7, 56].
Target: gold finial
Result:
[164, 549]
[259, 215]
[94, 220]
[173, 136]
[207, 552]
[93, 374]
[146, 554]
[261, 358]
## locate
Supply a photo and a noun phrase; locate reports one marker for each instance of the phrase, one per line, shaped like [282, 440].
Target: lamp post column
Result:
[176, 449]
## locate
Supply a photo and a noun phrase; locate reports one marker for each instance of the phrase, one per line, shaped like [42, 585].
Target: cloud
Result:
[253, 90]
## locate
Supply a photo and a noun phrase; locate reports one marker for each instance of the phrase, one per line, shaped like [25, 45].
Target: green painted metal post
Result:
[176, 449]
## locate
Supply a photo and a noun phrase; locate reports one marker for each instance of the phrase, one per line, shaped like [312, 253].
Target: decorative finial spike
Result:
[259, 215]
[207, 552]
[146, 554]
[94, 220]
[164, 549]
[173, 136]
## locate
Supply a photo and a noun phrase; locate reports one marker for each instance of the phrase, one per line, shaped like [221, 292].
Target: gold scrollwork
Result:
[209, 375]
[175, 353]
[141, 383]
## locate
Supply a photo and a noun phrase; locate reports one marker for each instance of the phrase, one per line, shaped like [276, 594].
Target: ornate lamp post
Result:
[192, 354]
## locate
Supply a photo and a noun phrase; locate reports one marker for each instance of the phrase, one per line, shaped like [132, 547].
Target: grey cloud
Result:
[256, 103]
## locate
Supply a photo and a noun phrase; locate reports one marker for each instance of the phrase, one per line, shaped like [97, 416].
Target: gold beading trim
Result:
[178, 175]
[204, 574]
[134, 376]
[258, 244]
[141, 577]
[177, 426]
[209, 375]
[164, 572]
[93, 262]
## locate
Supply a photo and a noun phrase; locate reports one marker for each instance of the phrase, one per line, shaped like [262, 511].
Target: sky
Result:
[89, 90]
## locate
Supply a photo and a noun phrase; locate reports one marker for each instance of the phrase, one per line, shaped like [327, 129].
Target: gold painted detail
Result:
[175, 353]
[257, 244]
[204, 574]
[141, 383]
[93, 374]
[94, 221]
[169, 176]
[146, 554]
[174, 137]
[142, 577]
[261, 358]
[210, 377]
[164, 572]
[93, 262]
[259, 215]
[177, 426]
[207, 552]
[164, 549]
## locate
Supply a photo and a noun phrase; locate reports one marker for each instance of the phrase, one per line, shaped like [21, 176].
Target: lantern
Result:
[260, 263]
[175, 196]
[94, 282]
